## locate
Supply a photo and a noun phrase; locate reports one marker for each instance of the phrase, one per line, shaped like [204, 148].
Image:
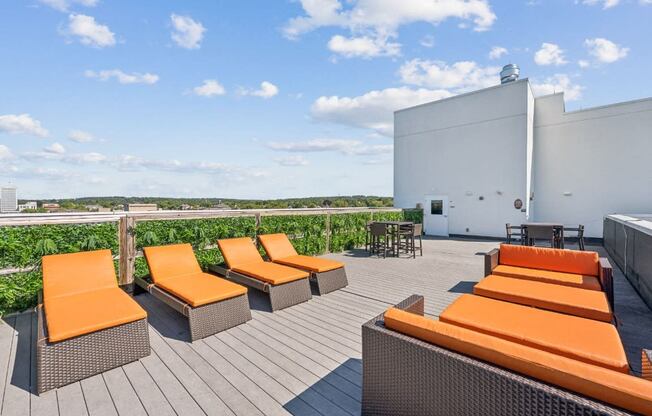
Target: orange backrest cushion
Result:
[568, 261]
[239, 251]
[277, 246]
[69, 274]
[621, 390]
[171, 261]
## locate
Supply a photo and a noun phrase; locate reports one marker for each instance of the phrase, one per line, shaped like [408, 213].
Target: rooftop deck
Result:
[304, 360]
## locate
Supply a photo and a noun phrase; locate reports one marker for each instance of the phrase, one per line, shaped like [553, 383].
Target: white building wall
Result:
[600, 156]
[8, 201]
[466, 147]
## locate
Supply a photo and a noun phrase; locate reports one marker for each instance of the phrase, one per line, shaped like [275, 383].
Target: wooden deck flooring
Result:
[304, 360]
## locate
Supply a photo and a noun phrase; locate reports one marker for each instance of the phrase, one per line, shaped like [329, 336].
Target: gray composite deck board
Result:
[303, 360]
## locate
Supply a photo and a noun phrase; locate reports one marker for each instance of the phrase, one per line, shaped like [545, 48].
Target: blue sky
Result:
[275, 98]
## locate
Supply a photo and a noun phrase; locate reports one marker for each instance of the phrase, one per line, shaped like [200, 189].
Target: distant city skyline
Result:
[279, 99]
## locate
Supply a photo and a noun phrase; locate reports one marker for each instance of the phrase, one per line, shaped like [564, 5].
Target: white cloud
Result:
[89, 31]
[582, 63]
[80, 136]
[497, 52]
[345, 147]
[606, 4]
[460, 76]
[61, 156]
[64, 5]
[550, 54]
[427, 41]
[135, 163]
[292, 160]
[209, 88]
[605, 51]
[266, 90]
[187, 32]
[363, 46]
[21, 124]
[373, 110]
[556, 84]
[5, 153]
[123, 77]
[55, 148]
[381, 19]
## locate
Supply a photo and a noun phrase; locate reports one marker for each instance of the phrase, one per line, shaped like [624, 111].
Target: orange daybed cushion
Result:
[593, 342]
[584, 263]
[72, 273]
[559, 278]
[589, 304]
[618, 389]
[201, 288]
[81, 295]
[312, 264]
[237, 251]
[171, 261]
[272, 273]
[277, 246]
[84, 313]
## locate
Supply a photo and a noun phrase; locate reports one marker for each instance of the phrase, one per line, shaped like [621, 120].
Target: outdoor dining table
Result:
[394, 227]
[554, 227]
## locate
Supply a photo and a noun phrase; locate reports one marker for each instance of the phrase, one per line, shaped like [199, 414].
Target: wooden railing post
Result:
[127, 253]
[257, 229]
[328, 232]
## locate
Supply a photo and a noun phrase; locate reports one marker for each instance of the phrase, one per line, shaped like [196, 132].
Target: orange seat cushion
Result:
[559, 278]
[311, 264]
[620, 390]
[272, 273]
[171, 261]
[83, 313]
[566, 261]
[237, 251]
[593, 342]
[201, 288]
[277, 246]
[589, 304]
[73, 273]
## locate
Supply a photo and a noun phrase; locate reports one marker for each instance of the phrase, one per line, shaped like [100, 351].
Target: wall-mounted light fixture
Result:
[499, 192]
[567, 193]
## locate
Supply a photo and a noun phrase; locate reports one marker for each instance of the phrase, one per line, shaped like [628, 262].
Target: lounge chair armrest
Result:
[606, 280]
[646, 364]
[491, 261]
[414, 304]
[39, 297]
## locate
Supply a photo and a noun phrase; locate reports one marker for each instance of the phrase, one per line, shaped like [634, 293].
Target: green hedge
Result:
[23, 246]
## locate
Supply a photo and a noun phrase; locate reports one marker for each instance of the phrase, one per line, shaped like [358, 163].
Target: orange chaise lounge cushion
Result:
[81, 295]
[590, 304]
[581, 339]
[279, 249]
[620, 390]
[174, 268]
[241, 256]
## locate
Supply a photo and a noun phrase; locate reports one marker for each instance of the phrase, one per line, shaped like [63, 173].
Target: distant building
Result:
[141, 207]
[50, 207]
[8, 199]
[186, 207]
[27, 205]
[220, 205]
[97, 208]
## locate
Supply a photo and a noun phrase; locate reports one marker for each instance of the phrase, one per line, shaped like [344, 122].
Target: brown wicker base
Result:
[405, 376]
[65, 362]
[280, 296]
[207, 319]
[329, 281]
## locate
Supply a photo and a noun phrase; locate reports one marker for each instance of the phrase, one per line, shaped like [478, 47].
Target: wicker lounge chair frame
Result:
[403, 375]
[605, 276]
[280, 296]
[329, 281]
[207, 319]
[64, 362]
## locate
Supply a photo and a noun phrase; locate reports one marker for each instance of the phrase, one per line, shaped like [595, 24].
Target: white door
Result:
[435, 215]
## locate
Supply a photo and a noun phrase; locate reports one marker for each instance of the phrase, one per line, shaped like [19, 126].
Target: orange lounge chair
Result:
[210, 303]
[286, 286]
[590, 304]
[582, 269]
[327, 275]
[86, 323]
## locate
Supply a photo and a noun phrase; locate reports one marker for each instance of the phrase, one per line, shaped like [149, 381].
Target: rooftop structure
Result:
[499, 155]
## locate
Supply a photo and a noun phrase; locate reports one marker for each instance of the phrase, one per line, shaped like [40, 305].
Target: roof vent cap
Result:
[509, 73]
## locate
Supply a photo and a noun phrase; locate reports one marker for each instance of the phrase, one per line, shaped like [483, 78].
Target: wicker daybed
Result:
[209, 303]
[325, 274]
[285, 286]
[85, 323]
